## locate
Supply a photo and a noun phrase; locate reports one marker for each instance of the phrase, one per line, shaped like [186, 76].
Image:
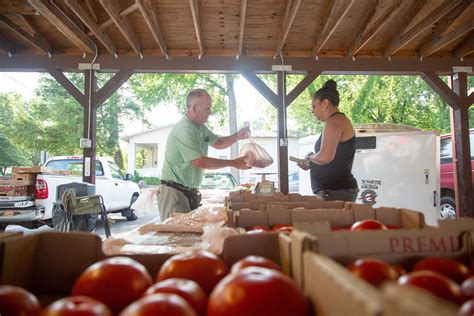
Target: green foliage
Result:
[10, 155]
[148, 180]
[171, 90]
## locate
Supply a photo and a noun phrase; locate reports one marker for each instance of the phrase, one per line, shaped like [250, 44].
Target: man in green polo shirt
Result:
[186, 155]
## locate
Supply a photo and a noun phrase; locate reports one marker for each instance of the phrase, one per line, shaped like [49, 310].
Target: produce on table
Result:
[15, 300]
[254, 261]
[164, 304]
[374, 271]
[450, 268]
[203, 267]
[116, 282]
[368, 224]
[77, 306]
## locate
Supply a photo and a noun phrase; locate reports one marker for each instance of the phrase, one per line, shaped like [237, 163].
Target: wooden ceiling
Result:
[415, 29]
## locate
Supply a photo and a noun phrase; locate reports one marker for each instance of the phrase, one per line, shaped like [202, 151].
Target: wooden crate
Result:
[35, 169]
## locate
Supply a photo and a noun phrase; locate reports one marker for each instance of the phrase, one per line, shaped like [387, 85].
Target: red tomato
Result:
[77, 305]
[435, 283]
[262, 227]
[164, 304]
[284, 228]
[187, 289]
[257, 231]
[254, 261]
[203, 267]
[467, 287]
[450, 268]
[374, 271]
[116, 282]
[15, 300]
[401, 271]
[467, 309]
[257, 291]
[368, 224]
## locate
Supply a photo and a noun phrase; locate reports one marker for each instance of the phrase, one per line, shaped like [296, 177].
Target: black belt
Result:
[175, 185]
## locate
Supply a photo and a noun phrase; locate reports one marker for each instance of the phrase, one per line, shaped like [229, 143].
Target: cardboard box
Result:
[35, 169]
[49, 263]
[322, 259]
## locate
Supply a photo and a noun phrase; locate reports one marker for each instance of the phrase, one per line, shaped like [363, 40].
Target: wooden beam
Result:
[282, 134]
[91, 10]
[112, 85]
[261, 87]
[407, 36]
[300, 87]
[197, 25]
[147, 9]
[286, 27]
[465, 48]
[35, 41]
[122, 23]
[462, 154]
[370, 16]
[444, 40]
[62, 22]
[92, 25]
[329, 30]
[243, 15]
[6, 46]
[122, 13]
[67, 84]
[441, 88]
[450, 18]
[470, 100]
[375, 26]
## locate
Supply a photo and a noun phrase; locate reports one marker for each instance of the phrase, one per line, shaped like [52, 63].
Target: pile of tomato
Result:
[197, 283]
[446, 278]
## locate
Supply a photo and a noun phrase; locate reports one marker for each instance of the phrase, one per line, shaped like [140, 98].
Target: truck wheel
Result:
[448, 207]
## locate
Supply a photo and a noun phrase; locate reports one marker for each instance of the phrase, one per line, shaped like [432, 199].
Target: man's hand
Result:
[243, 133]
[240, 163]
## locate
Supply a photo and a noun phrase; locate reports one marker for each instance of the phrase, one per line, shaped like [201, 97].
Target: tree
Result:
[10, 155]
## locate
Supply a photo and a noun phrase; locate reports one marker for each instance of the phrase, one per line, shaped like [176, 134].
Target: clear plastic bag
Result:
[258, 157]
[144, 203]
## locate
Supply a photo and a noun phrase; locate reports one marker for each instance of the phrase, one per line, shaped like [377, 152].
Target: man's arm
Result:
[226, 141]
[213, 163]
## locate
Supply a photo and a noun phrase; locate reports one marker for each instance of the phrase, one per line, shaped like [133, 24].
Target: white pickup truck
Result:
[117, 190]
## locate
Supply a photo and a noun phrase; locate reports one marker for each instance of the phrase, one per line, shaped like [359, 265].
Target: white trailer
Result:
[395, 166]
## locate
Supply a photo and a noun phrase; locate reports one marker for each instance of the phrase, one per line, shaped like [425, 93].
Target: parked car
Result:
[448, 200]
[117, 190]
[218, 180]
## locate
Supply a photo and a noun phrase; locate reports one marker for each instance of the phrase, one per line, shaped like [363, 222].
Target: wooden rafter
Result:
[376, 25]
[35, 41]
[122, 23]
[92, 25]
[329, 29]
[408, 35]
[62, 22]
[197, 25]
[287, 23]
[91, 10]
[243, 15]
[6, 46]
[122, 13]
[465, 48]
[147, 9]
[444, 40]
[449, 19]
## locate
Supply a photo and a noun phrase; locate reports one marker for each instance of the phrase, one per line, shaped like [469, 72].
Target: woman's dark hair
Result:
[329, 92]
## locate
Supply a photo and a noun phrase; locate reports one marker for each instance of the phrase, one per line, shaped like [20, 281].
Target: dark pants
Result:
[349, 195]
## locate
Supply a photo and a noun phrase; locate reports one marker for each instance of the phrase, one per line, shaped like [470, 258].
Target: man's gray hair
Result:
[195, 96]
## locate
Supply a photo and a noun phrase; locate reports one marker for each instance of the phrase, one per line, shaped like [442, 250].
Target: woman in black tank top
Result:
[331, 164]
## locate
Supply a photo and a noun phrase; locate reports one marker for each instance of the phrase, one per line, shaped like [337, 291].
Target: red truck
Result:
[448, 201]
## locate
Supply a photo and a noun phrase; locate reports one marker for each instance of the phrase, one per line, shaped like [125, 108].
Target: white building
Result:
[151, 146]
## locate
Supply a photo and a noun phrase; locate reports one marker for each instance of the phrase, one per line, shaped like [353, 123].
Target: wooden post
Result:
[90, 125]
[462, 152]
[282, 134]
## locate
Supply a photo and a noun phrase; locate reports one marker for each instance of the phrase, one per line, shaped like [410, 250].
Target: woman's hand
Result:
[303, 165]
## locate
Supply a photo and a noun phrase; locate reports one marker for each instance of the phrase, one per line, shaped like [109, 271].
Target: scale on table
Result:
[265, 187]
